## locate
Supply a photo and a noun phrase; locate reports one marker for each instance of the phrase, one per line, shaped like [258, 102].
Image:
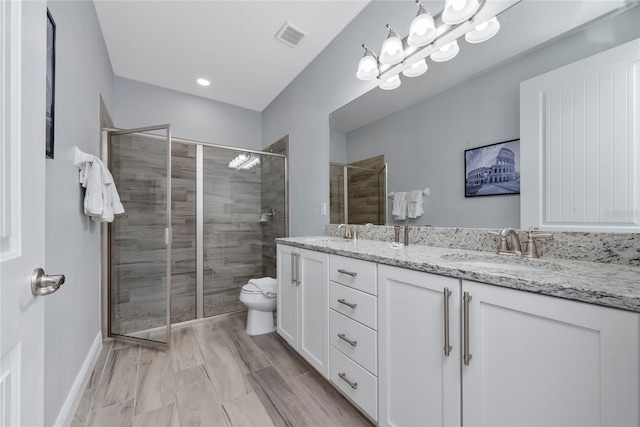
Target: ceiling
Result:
[230, 43]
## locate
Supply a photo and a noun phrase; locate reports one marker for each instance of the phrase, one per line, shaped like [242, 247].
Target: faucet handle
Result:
[493, 233]
[531, 248]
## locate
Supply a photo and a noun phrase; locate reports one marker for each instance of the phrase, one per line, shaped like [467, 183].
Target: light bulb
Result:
[422, 30]
[447, 52]
[416, 69]
[484, 31]
[457, 11]
[391, 83]
[392, 50]
[367, 68]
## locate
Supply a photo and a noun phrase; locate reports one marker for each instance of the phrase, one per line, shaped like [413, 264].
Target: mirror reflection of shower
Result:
[357, 192]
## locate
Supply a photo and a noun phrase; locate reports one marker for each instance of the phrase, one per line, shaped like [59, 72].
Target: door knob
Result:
[45, 284]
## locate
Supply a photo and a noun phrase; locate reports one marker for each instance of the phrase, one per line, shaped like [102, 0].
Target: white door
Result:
[22, 213]
[419, 381]
[313, 309]
[545, 361]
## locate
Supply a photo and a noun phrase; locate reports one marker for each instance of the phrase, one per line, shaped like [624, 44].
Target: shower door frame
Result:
[105, 259]
[345, 188]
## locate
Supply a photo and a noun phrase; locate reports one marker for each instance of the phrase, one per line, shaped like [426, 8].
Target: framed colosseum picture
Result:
[492, 170]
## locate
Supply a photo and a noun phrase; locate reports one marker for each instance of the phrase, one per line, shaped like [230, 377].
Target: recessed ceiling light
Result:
[203, 82]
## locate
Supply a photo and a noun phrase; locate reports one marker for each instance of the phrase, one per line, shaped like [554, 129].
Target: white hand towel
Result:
[267, 285]
[101, 200]
[414, 204]
[400, 205]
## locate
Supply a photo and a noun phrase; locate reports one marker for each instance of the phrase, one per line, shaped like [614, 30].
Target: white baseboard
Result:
[75, 394]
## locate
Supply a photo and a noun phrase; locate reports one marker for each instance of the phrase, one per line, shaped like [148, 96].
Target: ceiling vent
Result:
[291, 34]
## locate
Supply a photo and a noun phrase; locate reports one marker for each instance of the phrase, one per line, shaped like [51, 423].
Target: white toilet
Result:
[260, 295]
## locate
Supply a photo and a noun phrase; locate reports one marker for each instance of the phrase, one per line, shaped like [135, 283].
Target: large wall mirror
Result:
[424, 127]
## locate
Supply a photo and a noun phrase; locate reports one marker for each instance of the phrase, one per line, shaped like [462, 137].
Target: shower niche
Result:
[193, 232]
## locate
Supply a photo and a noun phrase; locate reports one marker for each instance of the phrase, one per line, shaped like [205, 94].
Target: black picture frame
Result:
[51, 84]
[492, 170]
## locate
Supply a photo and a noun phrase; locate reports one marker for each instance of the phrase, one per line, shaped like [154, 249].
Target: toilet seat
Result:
[250, 288]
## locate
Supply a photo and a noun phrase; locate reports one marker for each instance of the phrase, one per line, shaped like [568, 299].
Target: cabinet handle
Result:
[467, 356]
[447, 347]
[345, 379]
[298, 269]
[348, 273]
[348, 304]
[344, 338]
[293, 268]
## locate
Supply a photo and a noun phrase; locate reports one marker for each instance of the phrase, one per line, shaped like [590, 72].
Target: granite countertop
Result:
[609, 285]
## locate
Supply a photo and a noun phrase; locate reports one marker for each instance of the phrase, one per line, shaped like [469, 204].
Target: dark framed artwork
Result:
[51, 83]
[492, 170]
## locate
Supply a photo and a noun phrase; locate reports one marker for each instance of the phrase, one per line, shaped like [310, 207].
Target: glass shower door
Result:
[140, 239]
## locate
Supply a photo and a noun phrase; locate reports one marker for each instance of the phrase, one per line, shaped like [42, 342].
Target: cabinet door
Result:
[287, 295]
[545, 361]
[418, 384]
[313, 307]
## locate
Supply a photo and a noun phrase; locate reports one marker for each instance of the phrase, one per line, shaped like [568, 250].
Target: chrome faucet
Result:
[509, 242]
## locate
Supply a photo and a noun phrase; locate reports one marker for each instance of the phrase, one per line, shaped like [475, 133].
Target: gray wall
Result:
[329, 82]
[139, 104]
[424, 144]
[72, 314]
[302, 111]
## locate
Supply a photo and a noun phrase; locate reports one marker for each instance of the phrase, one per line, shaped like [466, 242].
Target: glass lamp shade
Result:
[368, 68]
[417, 69]
[392, 51]
[422, 30]
[446, 52]
[484, 31]
[457, 11]
[391, 83]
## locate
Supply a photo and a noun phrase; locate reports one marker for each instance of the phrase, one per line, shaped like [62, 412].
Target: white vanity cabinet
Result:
[419, 385]
[353, 336]
[546, 361]
[533, 359]
[303, 304]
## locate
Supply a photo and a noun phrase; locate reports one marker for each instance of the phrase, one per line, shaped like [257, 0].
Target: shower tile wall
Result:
[336, 194]
[183, 224]
[367, 196]
[273, 197]
[232, 234]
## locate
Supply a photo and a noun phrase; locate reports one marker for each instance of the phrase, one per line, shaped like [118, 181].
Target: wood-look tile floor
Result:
[214, 374]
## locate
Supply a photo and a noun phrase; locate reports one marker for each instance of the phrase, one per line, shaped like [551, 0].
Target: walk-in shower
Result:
[200, 221]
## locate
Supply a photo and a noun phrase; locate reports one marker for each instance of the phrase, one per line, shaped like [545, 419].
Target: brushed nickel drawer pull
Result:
[466, 354]
[348, 304]
[344, 338]
[345, 379]
[348, 273]
[447, 346]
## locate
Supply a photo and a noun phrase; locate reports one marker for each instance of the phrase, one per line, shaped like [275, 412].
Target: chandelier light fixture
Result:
[431, 37]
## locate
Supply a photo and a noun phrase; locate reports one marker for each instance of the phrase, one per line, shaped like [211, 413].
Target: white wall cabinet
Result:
[534, 360]
[303, 304]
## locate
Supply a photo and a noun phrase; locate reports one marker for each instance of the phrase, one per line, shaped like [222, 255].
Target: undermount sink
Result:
[503, 262]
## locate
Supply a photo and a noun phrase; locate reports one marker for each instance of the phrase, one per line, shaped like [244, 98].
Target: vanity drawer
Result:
[356, 273]
[364, 392]
[342, 298]
[358, 342]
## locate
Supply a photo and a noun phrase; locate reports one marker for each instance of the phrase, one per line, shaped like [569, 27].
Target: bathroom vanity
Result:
[424, 335]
